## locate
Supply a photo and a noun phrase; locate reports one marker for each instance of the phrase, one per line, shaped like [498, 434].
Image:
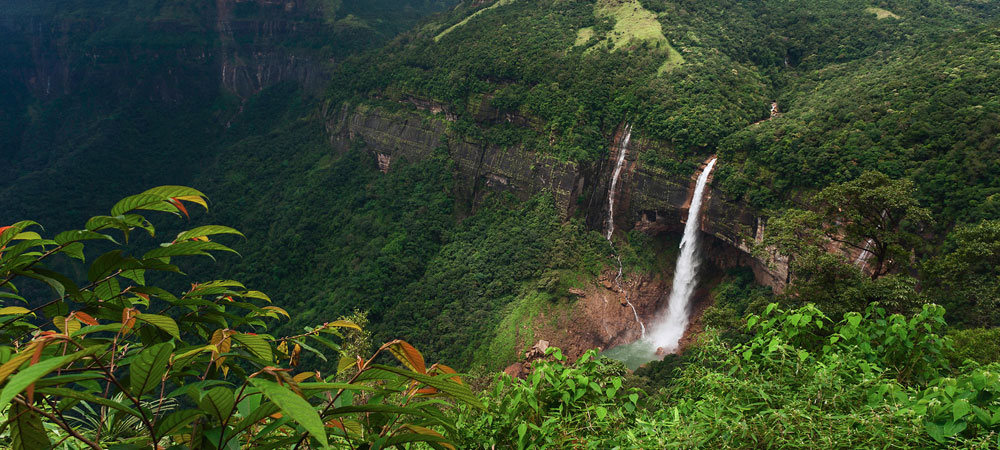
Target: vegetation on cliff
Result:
[885, 144]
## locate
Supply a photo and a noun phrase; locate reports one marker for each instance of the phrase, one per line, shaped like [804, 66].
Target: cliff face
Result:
[243, 46]
[649, 199]
[659, 202]
[258, 50]
[409, 135]
[51, 57]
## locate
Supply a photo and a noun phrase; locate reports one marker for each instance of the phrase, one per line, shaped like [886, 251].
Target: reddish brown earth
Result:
[601, 319]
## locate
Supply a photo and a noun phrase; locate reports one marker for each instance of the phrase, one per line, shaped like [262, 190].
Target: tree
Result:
[965, 277]
[875, 214]
[870, 214]
[117, 361]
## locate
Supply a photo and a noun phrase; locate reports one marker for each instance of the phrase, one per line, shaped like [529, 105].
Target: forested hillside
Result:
[145, 90]
[440, 175]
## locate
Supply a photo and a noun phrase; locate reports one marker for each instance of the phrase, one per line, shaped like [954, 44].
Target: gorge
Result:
[494, 224]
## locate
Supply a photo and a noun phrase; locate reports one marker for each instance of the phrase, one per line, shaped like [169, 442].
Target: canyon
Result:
[650, 199]
[646, 198]
[236, 49]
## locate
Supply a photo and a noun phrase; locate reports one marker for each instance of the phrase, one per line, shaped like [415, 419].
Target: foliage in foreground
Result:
[801, 380]
[119, 362]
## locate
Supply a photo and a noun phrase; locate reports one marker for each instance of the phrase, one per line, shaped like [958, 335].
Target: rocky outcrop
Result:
[414, 135]
[168, 57]
[51, 57]
[254, 51]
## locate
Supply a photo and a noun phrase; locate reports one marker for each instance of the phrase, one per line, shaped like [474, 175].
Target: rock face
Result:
[412, 136]
[650, 199]
[253, 51]
[164, 58]
[659, 202]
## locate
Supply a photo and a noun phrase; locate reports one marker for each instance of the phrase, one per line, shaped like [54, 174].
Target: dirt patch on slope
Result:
[601, 317]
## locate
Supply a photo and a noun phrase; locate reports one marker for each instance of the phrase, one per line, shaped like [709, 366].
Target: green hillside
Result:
[437, 176]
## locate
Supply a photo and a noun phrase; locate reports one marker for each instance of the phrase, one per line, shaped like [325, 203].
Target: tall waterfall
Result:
[668, 332]
[622, 149]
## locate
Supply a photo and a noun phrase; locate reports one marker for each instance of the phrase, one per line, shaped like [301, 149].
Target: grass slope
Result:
[467, 19]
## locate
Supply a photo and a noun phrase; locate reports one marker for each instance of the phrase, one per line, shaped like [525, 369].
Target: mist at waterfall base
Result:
[666, 332]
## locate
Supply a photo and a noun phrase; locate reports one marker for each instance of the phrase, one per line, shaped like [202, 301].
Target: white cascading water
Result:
[863, 256]
[667, 333]
[622, 148]
[610, 222]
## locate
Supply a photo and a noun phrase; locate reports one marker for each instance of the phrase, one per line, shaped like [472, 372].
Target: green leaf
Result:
[218, 402]
[80, 235]
[187, 248]
[104, 265]
[960, 408]
[137, 275]
[56, 286]
[20, 381]
[141, 201]
[74, 250]
[148, 368]
[174, 191]
[9, 234]
[310, 349]
[254, 344]
[601, 412]
[406, 438]
[294, 407]
[322, 386]
[176, 421]
[88, 397]
[983, 416]
[953, 428]
[258, 414]
[162, 322]
[385, 409]
[207, 230]
[112, 327]
[26, 430]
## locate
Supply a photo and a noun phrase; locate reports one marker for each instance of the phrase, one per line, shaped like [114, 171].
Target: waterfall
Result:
[610, 222]
[667, 333]
[622, 149]
[864, 255]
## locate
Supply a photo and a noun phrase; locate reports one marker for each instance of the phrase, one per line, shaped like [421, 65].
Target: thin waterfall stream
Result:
[622, 149]
[610, 221]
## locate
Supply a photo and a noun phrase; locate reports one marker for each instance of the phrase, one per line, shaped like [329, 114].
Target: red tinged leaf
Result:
[180, 206]
[144, 296]
[441, 368]
[336, 423]
[2, 229]
[408, 355]
[35, 357]
[128, 319]
[85, 318]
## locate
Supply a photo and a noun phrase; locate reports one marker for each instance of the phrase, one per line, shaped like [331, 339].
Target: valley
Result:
[671, 223]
